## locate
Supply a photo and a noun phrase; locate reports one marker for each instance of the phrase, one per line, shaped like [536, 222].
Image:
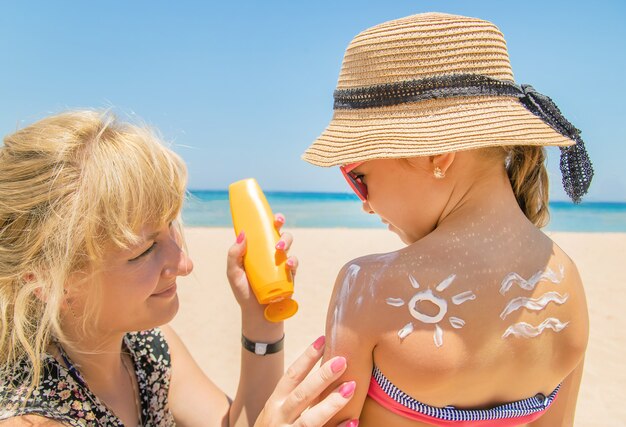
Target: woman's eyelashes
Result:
[146, 252]
[171, 230]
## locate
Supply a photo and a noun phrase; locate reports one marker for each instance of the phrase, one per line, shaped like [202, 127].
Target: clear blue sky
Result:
[242, 88]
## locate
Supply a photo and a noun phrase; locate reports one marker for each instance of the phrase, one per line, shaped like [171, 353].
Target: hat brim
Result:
[427, 128]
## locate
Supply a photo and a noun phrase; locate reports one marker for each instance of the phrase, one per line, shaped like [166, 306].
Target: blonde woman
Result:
[90, 252]
[481, 319]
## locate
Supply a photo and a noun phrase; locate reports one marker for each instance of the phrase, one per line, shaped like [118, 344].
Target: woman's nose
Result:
[182, 265]
[185, 264]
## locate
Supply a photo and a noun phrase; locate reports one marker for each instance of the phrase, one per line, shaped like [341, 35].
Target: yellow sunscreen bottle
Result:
[267, 273]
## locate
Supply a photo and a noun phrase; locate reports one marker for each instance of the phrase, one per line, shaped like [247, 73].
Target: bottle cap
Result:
[281, 310]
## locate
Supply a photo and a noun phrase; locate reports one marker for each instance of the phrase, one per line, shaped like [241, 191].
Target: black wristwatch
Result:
[262, 348]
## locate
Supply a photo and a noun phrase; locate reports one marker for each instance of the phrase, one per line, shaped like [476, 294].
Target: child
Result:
[481, 320]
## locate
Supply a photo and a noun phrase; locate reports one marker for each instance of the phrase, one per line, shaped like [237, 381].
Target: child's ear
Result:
[443, 161]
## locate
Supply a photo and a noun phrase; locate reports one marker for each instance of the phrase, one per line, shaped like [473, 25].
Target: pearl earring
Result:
[439, 174]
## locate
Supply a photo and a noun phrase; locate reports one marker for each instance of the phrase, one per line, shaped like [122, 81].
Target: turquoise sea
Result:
[342, 210]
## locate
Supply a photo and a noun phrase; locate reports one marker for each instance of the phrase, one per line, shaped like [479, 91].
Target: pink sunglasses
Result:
[354, 181]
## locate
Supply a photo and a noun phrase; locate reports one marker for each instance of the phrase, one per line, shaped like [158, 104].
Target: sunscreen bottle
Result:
[267, 273]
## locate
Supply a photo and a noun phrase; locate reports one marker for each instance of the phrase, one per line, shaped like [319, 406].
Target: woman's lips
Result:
[167, 292]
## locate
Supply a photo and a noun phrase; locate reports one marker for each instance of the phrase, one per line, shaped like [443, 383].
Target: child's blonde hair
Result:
[71, 185]
[526, 167]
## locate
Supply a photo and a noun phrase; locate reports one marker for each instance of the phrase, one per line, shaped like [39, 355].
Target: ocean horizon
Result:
[210, 208]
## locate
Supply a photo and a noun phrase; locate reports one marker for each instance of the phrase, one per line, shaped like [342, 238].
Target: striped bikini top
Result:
[511, 414]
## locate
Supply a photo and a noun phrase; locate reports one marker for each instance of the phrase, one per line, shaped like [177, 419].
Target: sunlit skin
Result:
[399, 191]
[136, 290]
[90, 256]
[468, 224]
[136, 286]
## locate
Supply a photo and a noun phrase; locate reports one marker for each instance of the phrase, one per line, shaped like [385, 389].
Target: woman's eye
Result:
[359, 177]
[146, 252]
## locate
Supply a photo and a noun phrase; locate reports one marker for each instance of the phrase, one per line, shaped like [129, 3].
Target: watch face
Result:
[260, 348]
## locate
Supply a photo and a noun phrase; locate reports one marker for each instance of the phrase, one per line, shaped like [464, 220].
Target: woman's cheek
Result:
[142, 280]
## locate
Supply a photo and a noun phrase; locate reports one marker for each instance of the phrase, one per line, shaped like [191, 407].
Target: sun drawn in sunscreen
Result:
[437, 300]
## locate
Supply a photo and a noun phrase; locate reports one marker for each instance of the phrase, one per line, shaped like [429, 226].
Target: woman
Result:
[481, 319]
[90, 251]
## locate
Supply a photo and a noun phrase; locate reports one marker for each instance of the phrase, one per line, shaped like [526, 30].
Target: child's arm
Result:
[348, 334]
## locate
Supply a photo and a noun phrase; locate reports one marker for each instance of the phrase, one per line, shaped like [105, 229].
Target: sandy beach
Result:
[208, 320]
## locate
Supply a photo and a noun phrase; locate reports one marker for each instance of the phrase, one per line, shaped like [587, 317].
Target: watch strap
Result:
[261, 348]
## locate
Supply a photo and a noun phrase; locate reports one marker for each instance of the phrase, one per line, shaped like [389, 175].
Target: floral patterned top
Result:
[63, 396]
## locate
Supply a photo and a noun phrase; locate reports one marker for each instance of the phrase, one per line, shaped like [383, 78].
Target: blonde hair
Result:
[71, 185]
[527, 172]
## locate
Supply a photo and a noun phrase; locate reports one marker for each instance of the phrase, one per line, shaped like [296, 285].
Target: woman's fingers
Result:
[284, 243]
[295, 392]
[292, 264]
[234, 261]
[322, 412]
[279, 221]
[314, 385]
[300, 368]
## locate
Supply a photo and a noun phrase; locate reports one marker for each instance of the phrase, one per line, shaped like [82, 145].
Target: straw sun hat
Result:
[434, 83]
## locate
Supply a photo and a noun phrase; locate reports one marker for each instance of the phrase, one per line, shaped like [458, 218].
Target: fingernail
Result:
[352, 423]
[290, 262]
[241, 236]
[280, 245]
[338, 364]
[280, 218]
[347, 389]
[319, 343]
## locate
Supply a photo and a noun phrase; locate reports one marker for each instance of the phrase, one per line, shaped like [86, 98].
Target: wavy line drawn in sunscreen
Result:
[523, 329]
[436, 300]
[512, 279]
[526, 330]
[534, 304]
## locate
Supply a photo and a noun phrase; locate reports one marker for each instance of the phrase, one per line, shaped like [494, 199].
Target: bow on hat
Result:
[576, 167]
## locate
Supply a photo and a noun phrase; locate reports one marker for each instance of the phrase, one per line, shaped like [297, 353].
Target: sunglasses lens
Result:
[357, 186]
